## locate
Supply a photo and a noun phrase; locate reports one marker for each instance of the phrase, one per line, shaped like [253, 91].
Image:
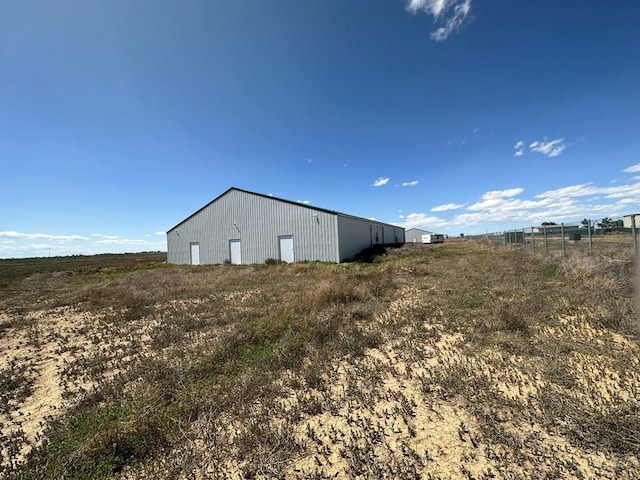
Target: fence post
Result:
[524, 240]
[546, 243]
[590, 239]
[562, 234]
[533, 241]
[633, 232]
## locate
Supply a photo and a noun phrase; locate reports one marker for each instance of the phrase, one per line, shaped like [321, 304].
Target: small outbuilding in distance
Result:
[246, 227]
[416, 235]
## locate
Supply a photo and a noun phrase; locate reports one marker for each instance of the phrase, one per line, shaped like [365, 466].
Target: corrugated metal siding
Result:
[416, 232]
[356, 234]
[415, 235]
[256, 221]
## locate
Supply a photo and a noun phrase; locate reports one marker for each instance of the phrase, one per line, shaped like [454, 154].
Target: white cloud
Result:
[447, 206]
[41, 236]
[499, 210]
[451, 15]
[410, 184]
[633, 168]
[510, 192]
[519, 147]
[123, 241]
[15, 244]
[414, 220]
[432, 7]
[304, 202]
[161, 233]
[571, 191]
[107, 237]
[571, 203]
[502, 203]
[380, 182]
[551, 148]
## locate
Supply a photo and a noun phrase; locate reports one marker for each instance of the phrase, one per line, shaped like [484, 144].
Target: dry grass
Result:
[460, 360]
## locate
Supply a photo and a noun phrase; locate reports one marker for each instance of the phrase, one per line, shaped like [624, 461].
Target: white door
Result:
[195, 254]
[286, 248]
[236, 255]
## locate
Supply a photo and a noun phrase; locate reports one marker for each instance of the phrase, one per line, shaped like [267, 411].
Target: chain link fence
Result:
[567, 238]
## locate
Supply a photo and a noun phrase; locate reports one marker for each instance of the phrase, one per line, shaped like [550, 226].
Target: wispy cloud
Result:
[432, 7]
[380, 182]
[415, 220]
[15, 244]
[410, 184]
[551, 148]
[572, 191]
[106, 237]
[447, 206]
[450, 15]
[569, 203]
[123, 241]
[633, 168]
[510, 192]
[41, 236]
[519, 147]
[495, 199]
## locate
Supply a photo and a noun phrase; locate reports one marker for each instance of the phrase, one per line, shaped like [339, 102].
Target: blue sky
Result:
[118, 119]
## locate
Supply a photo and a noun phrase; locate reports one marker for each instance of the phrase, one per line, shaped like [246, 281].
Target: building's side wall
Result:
[414, 235]
[257, 222]
[356, 234]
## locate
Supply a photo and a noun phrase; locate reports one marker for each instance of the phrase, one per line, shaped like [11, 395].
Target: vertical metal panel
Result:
[257, 221]
[416, 233]
[356, 234]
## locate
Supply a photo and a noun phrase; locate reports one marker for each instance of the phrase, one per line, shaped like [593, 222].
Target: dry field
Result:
[612, 244]
[460, 360]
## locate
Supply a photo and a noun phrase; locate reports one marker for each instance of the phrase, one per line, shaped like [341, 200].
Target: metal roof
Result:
[420, 230]
[311, 207]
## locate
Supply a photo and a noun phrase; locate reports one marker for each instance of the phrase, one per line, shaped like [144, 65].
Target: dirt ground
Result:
[435, 397]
